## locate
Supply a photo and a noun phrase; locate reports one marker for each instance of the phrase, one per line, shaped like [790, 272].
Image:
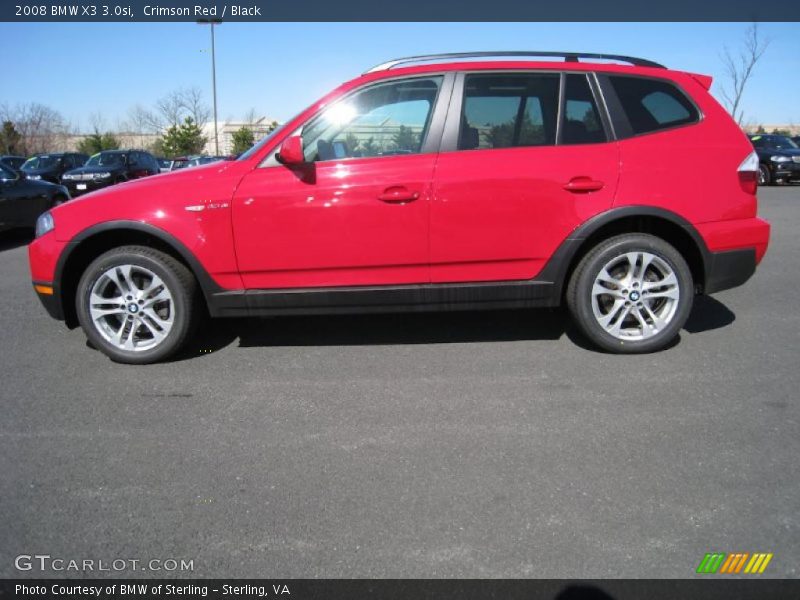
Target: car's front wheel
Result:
[631, 294]
[137, 305]
[764, 176]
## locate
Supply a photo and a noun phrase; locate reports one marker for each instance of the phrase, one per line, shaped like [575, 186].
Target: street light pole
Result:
[213, 22]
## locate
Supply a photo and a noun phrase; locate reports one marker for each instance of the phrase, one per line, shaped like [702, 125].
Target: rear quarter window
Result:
[652, 104]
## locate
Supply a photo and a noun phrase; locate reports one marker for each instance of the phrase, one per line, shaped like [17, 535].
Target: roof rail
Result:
[567, 56]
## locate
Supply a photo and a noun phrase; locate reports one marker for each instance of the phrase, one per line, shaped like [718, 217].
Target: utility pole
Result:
[213, 22]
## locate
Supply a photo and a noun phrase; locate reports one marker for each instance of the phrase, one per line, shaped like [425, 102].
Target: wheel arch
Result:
[94, 241]
[662, 223]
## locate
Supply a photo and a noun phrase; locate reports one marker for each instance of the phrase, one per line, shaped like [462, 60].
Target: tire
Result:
[603, 283]
[152, 318]
[764, 176]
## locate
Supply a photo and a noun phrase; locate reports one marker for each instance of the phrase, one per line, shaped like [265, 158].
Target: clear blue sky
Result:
[279, 68]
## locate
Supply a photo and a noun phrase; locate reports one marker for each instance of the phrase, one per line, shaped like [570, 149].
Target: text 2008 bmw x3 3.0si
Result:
[445, 182]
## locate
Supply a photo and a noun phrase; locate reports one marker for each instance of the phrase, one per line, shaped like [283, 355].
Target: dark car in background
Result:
[196, 161]
[172, 164]
[778, 157]
[22, 200]
[50, 167]
[12, 162]
[108, 168]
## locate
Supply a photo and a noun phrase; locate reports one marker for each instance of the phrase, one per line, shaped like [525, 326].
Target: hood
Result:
[191, 181]
[159, 200]
[45, 186]
[44, 171]
[784, 152]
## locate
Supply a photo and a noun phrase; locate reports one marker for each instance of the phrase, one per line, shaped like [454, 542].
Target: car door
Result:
[525, 159]
[356, 213]
[21, 200]
[136, 167]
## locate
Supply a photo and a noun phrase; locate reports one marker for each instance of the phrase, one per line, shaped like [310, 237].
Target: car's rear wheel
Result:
[137, 305]
[631, 294]
[764, 176]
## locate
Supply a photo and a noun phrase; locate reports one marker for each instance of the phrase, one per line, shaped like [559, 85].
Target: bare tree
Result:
[42, 129]
[191, 100]
[170, 110]
[739, 69]
[251, 118]
[142, 120]
[97, 122]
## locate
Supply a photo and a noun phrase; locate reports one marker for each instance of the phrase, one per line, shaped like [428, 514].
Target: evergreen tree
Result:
[406, 139]
[97, 142]
[243, 140]
[11, 140]
[181, 140]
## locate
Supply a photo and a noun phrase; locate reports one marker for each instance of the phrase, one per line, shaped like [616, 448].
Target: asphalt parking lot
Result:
[458, 445]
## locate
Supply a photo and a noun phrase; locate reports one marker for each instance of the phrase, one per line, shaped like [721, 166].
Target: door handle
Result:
[397, 194]
[579, 185]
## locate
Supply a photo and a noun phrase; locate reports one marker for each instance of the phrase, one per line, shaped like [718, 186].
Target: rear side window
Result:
[582, 124]
[506, 111]
[653, 104]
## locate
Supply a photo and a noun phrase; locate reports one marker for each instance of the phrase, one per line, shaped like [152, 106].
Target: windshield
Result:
[6, 174]
[778, 142]
[41, 162]
[106, 159]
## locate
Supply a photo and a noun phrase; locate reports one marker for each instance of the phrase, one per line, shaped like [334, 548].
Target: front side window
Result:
[509, 110]
[382, 120]
[653, 104]
[582, 124]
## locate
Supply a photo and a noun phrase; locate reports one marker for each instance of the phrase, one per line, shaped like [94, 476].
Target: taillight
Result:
[748, 173]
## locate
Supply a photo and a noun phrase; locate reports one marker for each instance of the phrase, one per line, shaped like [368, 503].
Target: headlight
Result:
[780, 159]
[34, 176]
[105, 175]
[44, 224]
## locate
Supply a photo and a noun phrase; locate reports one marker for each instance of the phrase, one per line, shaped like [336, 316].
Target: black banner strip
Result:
[712, 588]
[392, 10]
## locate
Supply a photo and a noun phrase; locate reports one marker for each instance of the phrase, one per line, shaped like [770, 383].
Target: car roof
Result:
[462, 62]
[607, 64]
[516, 55]
[501, 65]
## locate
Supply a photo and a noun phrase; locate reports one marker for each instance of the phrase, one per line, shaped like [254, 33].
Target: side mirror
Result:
[291, 152]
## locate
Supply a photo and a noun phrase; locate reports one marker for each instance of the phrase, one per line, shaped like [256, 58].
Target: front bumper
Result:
[51, 301]
[787, 171]
[76, 188]
[43, 256]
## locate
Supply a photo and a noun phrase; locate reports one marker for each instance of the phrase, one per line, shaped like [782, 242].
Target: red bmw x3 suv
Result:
[521, 179]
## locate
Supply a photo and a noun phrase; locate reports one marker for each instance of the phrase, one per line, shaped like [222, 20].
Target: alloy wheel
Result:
[635, 296]
[131, 307]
